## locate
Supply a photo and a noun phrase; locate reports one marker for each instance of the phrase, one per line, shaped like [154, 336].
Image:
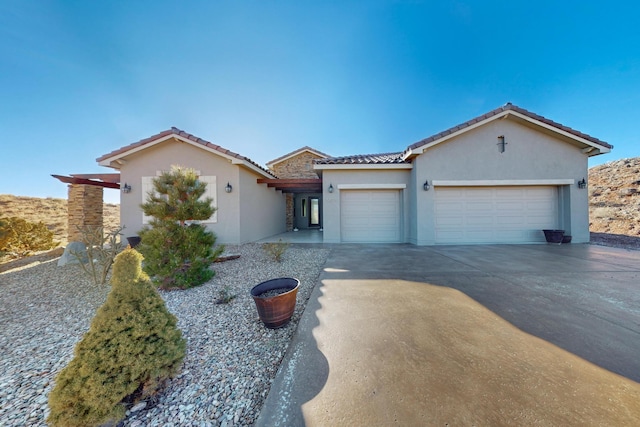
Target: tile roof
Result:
[363, 159]
[294, 152]
[506, 107]
[186, 135]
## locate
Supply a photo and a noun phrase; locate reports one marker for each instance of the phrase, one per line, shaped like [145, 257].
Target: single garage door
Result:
[466, 215]
[370, 216]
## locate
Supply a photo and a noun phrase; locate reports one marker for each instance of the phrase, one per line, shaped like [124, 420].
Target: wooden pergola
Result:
[294, 185]
[106, 180]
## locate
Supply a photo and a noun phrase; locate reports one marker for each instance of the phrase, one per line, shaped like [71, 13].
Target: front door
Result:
[314, 212]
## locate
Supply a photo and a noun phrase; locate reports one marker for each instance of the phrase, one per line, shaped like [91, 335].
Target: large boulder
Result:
[73, 254]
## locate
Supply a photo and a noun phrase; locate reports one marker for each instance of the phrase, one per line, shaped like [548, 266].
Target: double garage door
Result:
[370, 216]
[467, 215]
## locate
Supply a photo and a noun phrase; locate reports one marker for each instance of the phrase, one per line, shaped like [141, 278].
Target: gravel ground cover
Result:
[231, 357]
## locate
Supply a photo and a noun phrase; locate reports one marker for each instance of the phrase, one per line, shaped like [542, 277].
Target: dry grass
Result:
[52, 212]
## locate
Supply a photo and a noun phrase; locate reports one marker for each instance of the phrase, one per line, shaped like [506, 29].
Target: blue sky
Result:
[79, 79]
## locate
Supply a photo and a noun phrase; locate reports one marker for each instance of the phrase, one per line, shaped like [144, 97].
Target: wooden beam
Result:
[290, 181]
[84, 181]
[106, 177]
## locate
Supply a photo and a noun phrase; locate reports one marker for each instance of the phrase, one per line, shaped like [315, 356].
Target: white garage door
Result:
[495, 214]
[370, 216]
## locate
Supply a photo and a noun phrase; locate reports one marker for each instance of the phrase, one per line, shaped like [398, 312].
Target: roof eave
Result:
[119, 159]
[363, 166]
[419, 149]
[293, 154]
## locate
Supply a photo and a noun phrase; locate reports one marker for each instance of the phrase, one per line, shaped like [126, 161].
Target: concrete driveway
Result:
[361, 354]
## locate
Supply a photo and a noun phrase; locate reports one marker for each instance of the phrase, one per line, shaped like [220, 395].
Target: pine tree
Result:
[177, 251]
[132, 346]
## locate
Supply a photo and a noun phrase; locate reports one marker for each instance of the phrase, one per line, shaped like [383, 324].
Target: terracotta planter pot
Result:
[276, 311]
[554, 236]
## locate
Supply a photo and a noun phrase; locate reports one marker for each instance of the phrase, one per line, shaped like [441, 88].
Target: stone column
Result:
[289, 199]
[84, 207]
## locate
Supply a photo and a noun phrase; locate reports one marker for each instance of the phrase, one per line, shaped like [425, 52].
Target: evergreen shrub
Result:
[177, 249]
[131, 348]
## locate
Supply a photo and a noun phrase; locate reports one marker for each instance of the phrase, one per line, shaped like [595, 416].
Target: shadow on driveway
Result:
[368, 318]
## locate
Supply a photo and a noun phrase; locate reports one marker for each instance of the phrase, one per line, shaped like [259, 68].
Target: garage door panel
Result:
[481, 206]
[508, 220]
[494, 214]
[455, 221]
[370, 215]
[480, 221]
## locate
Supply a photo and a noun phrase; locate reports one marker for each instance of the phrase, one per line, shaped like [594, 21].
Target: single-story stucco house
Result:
[501, 177]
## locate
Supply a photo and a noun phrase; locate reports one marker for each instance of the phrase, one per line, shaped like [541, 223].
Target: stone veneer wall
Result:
[289, 216]
[84, 207]
[298, 167]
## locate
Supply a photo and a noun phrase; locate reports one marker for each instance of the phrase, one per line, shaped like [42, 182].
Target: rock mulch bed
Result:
[231, 357]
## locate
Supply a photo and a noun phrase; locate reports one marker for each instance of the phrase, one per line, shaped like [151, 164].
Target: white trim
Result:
[372, 186]
[296, 153]
[367, 166]
[502, 115]
[501, 182]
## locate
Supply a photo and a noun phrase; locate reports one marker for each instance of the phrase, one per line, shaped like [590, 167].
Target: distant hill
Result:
[52, 212]
[614, 197]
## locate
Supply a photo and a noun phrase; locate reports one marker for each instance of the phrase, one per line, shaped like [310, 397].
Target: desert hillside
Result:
[52, 212]
[614, 197]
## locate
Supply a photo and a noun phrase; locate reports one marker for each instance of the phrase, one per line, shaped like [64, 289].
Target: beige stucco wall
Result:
[262, 209]
[230, 225]
[530, 155]
[369, 179]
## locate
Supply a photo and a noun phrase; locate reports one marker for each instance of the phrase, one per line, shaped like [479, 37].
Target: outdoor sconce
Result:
[330, 189]
[126, 188]
[228, 188]
[582, 184]
[501, 145]
[426, 186]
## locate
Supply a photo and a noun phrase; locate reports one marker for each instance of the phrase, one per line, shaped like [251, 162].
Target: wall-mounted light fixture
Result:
[582, 183]
[502, 145]
[126, 188]
[330, 189]
[426, 186]
[228, 188]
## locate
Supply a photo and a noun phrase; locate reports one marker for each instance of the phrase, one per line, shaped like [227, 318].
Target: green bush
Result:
[131, 348]
[178, 251]
[19, 237]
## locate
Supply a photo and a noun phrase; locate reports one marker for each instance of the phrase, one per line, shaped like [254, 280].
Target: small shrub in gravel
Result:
[225, 295]
[276, 249]
[131, 348]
